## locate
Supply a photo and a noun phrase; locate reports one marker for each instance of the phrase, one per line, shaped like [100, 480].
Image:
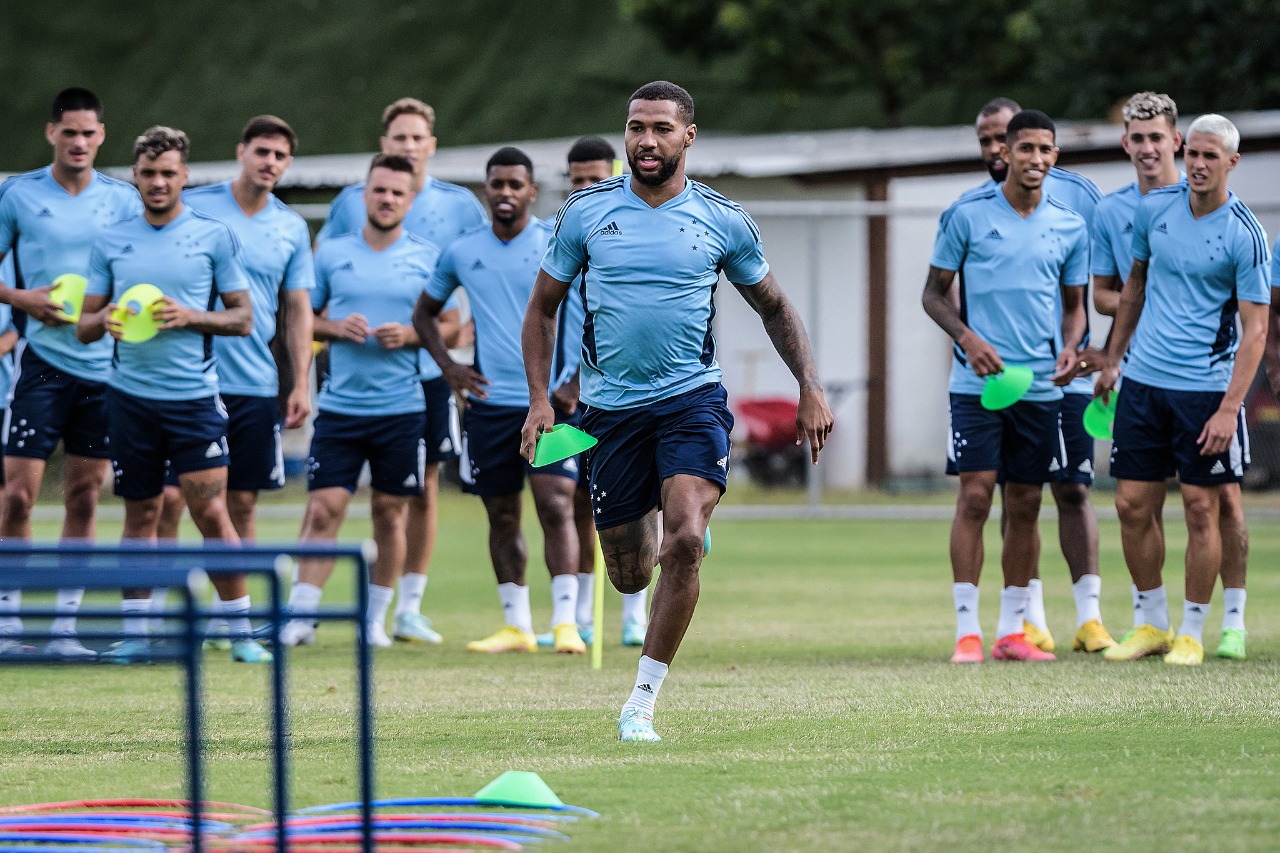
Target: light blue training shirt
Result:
[498, 278]
[649, 276]
[192, 260]
[1197, 272]
[276, 248]
[52, 233]
[441, 211]
[1083, 196]
[351, 278]
[6, 324]
[1011, 269]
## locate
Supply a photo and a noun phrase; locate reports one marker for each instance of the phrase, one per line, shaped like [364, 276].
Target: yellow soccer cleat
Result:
[1038, 637]
[1143, 641]
[566, 639]
[508, 638]
[1186, 651]
[1091, 637]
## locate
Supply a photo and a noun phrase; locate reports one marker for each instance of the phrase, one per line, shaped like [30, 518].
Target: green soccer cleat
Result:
[1232, 644]
[250, 651]
[1186, 651]
[416, 628]
[633, 633]
[635, 726]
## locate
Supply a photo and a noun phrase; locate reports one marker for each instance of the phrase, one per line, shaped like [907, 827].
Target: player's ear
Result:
[690, 133]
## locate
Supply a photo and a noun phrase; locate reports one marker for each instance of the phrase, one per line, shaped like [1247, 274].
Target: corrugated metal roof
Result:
[797, 155]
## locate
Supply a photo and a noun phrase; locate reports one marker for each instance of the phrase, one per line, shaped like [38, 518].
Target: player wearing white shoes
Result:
[1077, 521]
[1151, 139]
[371, 404]
[277, 256]
[1024, 260]
[439, 213]
[8, 340]
[591, 161]
[650, 380]
[49, 220]
[162, 402]
[1200, 261]
[496, 265]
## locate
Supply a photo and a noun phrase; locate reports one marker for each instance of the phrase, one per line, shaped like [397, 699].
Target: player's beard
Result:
[998, 170]
[669, 167]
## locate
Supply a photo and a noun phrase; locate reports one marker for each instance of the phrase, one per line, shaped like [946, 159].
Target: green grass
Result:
[810, 708]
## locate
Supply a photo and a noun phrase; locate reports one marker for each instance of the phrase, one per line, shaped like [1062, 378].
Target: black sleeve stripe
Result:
[715, 197]
[607, 185]
[1255, 231]
[1079, 180]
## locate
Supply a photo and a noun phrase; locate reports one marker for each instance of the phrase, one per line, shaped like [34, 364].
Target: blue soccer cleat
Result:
[635, 726]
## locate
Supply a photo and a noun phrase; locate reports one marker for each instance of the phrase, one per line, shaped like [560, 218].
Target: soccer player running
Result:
[591, 161]
[657, 243]
[497, 266]
[440, 211]
[162, 398]
[49, 220]
[276, 249]
[1024, 258]
[371, 405]
[1077, 521]
[1200, 259]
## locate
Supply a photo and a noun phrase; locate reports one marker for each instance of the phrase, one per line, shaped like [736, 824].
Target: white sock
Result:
[965, 596]
[236, 612]
[135, 619]
[1138, 619]
[586, 599]
[1233, 605]
[1088, 593]
[1193, 616]
[304, 598]
[635, 608]
[379, 601]
[515, 606]
[1013, 610]
[1155, 608]
[1035, 605]
[216, 622]
[413, 586]
[159, 598]
[649, 677]
[10, 603]
[564, 599]
[68, 602]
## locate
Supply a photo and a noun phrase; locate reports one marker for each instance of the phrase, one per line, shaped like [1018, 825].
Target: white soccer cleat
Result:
[68, 647]
[297, 632]
[377, 635]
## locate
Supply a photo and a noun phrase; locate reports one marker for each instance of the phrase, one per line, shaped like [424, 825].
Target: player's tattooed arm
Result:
[941, 308]
[786, 330]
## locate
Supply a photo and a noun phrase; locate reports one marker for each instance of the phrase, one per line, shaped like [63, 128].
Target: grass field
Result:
[810, 708]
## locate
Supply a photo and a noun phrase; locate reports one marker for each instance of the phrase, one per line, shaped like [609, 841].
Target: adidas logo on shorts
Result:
[410, 481]
[214, 451]
[1218, 468]
[1054, 466]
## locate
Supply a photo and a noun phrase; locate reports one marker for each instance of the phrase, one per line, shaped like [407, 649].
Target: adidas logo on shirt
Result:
[214, 451]
[347, 266]
[127, 250]
[1162, 228]
[1218, 468]
[994, 234]
[1128, 228]
[44, 211]
[610, 230]
[478, 265]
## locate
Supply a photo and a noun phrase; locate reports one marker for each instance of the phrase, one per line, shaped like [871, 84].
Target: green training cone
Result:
[68, 292]
[1099, 417]
[133, 311]
[560, 442]
[521, 788]
[1006, 387]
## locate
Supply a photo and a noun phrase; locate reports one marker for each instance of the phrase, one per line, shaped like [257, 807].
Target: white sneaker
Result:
[377, 635]
[14, 647]
[68, 647]
[296, 632]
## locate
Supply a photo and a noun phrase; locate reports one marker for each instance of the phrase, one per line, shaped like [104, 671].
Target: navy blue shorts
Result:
[253, 436]
[491, 464]
[1155, 437]
[49, 406]
[190, 434]
[391, 444]
[1079, 444]
[1023, 442]
[442, 432]
[640, 448]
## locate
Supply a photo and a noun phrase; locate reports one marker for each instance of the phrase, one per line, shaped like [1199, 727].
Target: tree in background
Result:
[901, 51]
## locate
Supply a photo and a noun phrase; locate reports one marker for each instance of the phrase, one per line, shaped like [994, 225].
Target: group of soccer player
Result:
[1178, 260]
[603, 318]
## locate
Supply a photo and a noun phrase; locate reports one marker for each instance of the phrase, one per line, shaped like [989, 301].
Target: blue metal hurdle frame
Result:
[25, 565]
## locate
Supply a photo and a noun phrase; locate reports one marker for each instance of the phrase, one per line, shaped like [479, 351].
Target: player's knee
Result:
[1201, 513]
[1132, 510]
[19, 498]
[973, 503]
[681, 550]
[1071, 497]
